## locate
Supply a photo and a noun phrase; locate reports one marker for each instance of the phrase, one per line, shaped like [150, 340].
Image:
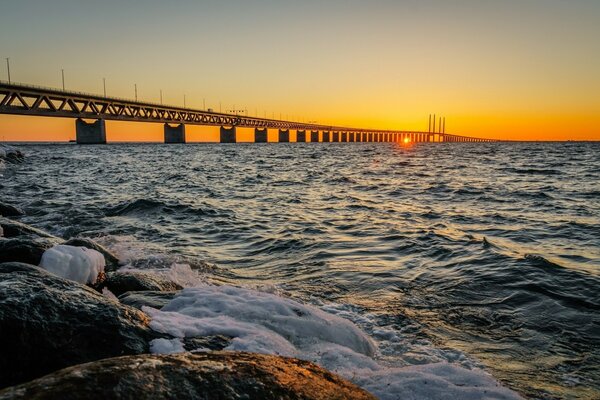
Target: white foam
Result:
[166, 346]
[267, 323]
[78, 264]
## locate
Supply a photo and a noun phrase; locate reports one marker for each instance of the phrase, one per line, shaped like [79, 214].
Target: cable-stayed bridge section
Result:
[20, 99]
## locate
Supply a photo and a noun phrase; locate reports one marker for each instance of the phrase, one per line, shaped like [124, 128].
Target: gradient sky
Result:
[514, 69]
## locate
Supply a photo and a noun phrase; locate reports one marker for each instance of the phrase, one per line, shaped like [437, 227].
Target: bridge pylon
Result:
[175, 134]
[90, 133]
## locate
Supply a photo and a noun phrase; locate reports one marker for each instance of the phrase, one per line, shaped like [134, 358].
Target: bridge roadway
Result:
[21, 99]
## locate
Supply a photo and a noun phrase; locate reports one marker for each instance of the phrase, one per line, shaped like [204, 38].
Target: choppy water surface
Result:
[486, 249]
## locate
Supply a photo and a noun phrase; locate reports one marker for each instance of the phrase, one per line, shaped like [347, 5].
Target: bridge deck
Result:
[20, 99]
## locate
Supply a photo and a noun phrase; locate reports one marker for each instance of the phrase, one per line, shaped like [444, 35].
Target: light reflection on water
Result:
[396, 230]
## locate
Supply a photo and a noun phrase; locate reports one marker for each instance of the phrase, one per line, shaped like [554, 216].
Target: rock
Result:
[6, 210]
[25, 249]
[216, 375]
[150, 298]
[13, 228]
[215, 342]
[11, 154]
[48, 323]
[121, 282]
[112, 262]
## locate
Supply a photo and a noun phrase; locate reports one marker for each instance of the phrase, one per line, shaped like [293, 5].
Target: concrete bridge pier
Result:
[335, 137]
[90, 133]
[344, 136]
[300, 136]
[326, 136]
[351, 136]
[314, 136]
[260, 135]
[175, 134]
[284, 135]
[228, 135]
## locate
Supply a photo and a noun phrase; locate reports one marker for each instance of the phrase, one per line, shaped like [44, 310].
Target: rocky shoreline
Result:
[78, 320]
[60, 338]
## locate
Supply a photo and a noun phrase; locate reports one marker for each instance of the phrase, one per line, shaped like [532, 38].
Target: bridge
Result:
[21, 99]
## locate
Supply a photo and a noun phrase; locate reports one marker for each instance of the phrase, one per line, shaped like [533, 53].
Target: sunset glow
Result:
[508, 70]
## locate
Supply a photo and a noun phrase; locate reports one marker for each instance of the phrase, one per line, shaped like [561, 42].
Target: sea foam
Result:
[267, 323]
[78, 264]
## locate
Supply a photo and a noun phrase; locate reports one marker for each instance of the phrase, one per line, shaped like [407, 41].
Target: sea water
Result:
[411, 270]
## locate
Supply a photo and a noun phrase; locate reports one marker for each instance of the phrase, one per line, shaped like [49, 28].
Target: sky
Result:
[511, 69]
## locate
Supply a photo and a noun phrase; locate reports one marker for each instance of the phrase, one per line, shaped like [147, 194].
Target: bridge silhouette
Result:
[22, 99]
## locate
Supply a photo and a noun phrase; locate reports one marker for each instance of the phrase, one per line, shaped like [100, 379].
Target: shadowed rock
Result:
[122, 282]
[13, 228]
[217, 375]
[112, 262]
[149, 298]
[25, 249]
[214, 342]
[48, 323]
[11, 154]
[6, 210]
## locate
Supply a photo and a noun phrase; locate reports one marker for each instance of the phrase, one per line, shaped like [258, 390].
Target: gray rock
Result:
[48, 323]
[7, 210]
[121, 282]
[148, 298]
[112, 262]
[25, 249]
[13, 228]
[215, 342]
[216, 375]
[11, 154]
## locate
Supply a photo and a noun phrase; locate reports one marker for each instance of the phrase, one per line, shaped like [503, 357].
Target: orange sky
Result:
[508, 70]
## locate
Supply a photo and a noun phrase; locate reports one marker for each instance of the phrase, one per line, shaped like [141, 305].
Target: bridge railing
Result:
[89, 94]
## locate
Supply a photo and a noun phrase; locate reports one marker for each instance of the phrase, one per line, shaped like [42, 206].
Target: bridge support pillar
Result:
[326, 136]
[344, 136]
[314, 136]
[175, 134]
[90, 133]
[260, 135]
[300, 136]
[352, 136]
[335, 137]
[284, 136]
[228, 135]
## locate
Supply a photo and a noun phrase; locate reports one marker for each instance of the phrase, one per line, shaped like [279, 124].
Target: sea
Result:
[481, 256]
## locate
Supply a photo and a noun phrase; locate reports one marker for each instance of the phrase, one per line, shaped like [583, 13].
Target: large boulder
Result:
[122, 282]
[112, 262]
[25, 249]
[216, 375]
[13, 229]
[150, 298]
[7, 210]
[48, 323]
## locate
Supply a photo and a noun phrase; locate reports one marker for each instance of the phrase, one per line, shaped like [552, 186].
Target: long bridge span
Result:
[21, 99]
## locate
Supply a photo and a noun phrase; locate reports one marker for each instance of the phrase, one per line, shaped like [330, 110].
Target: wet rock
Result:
[215, 342]
[48, 323]
[11, 154]
[7, 210]
[121, 282]
[112, 262]
[149, 298]
[216, 375]
[13, 228]
[25, 249]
